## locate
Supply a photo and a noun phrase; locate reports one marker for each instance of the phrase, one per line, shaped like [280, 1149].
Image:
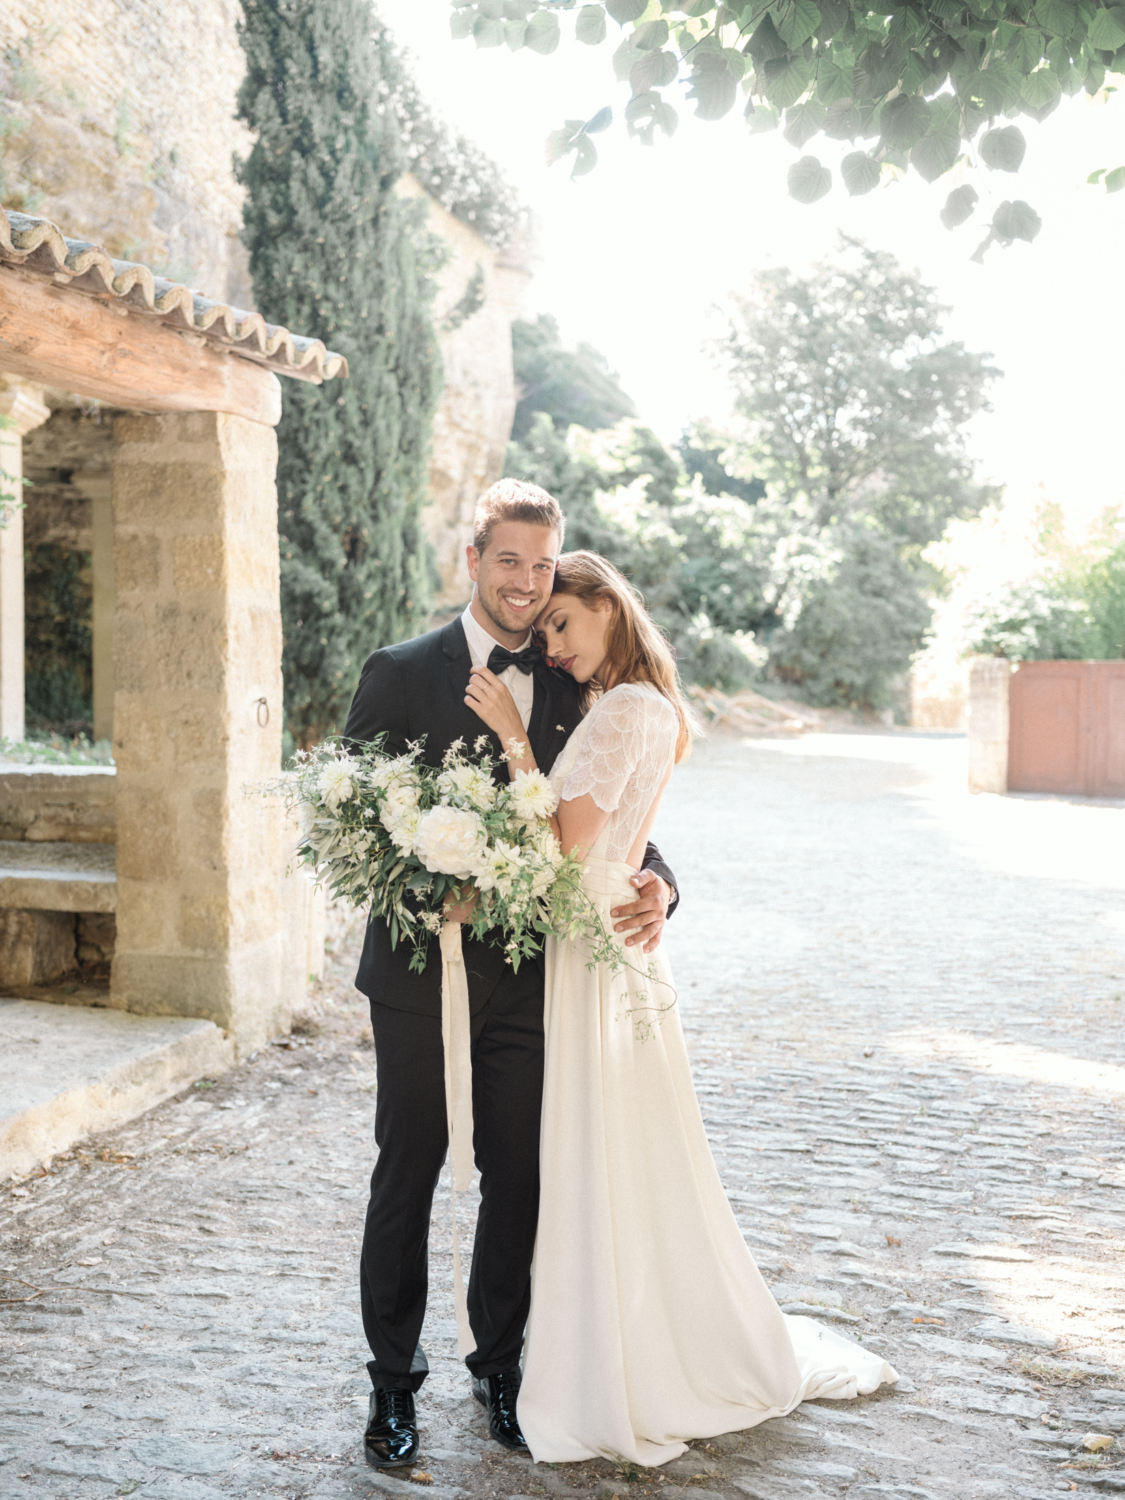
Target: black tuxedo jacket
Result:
[416, 691]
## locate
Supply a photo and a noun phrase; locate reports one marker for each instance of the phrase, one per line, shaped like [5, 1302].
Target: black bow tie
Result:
[500, 659]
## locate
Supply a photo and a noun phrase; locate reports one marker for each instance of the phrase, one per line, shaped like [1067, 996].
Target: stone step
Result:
[68, 1071]
[48, 876]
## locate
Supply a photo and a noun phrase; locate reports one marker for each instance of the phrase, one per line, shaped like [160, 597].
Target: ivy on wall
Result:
[454, 171]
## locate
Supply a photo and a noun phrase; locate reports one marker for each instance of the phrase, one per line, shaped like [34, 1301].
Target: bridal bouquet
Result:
[389, 832]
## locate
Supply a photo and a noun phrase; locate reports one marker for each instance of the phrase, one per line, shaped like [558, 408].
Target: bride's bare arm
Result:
[580, 821]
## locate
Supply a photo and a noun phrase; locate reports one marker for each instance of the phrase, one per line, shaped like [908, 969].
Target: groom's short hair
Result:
[515, 500]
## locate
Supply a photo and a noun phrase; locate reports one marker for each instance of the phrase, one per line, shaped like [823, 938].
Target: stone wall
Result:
[120, 127]
[69, 804]
[479, 294]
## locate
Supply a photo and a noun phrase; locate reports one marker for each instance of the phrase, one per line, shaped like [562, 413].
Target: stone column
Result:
[197, 720]
[989, 682]
[22, 405]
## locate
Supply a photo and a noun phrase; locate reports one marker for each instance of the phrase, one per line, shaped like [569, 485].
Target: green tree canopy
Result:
[334, 253]
[1072, 608]
[797, 546]
[570, 385]
[910, 85]
[848, 401]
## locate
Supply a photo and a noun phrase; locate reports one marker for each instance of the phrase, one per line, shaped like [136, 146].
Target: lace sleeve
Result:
[628, 746]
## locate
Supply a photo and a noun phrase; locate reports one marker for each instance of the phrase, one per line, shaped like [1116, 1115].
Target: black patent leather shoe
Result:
[391, 1439]
[497, 1394]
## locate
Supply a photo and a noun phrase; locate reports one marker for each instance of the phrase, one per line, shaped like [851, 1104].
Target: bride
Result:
[650, 1324]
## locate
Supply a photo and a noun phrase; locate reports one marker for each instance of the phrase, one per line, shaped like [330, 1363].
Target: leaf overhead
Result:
[713, 86]
[653, 70]
[959, 205]
[585, 156]
[940, 147]
[652, 34]
[1003, 150]
[904, 121]
[1107, 29]
[589, 26]
[765, 43]
[561, 141]
[803, 121]
[488, 33]
[785, 80]
[624, 11]
[543, 34]
[808, 180]
[924, 80]
[860, 172]
[1016, 221]
[797, 21]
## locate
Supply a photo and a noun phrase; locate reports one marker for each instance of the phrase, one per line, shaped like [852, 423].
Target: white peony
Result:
[469, 783]
[335, 784]
[533, 797]
[498, 868]
[450, 841]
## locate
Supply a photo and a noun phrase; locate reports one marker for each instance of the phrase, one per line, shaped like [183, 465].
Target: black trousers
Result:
[411, 1134]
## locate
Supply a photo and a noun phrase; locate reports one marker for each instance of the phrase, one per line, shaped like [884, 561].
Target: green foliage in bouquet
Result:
[335, 253]
[404, 838]
[911, 86]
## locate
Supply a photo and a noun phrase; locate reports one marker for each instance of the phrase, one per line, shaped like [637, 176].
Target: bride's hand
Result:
[491, 701]
[461, 911]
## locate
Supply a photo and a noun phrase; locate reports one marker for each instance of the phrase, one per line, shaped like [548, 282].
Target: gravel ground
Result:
[905, 1008]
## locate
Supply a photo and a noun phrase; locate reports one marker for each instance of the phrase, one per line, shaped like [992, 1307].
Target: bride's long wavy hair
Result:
[635, 648]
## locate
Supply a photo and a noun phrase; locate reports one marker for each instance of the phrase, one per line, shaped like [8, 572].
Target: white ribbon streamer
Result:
[456, 1041]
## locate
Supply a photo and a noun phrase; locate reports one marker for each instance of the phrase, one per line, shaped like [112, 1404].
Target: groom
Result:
[416, 691]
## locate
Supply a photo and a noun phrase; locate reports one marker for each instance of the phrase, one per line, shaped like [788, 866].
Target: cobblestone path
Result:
[906, 1014]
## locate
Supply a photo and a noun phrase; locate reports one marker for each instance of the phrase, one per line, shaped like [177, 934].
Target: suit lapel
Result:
[553, 717]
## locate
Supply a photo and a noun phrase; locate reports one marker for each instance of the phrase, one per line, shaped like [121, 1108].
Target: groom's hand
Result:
[644, 918]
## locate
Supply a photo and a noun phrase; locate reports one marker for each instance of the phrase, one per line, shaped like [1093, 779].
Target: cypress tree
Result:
[336, 254]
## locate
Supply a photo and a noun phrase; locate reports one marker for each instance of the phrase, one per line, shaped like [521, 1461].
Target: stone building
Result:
[96, 138]
[158, 407]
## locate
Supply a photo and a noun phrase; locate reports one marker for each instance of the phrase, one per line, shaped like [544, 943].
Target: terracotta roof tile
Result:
[40, 247]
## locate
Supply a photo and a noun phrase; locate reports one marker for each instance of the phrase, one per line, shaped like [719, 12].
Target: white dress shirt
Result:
[521, 685]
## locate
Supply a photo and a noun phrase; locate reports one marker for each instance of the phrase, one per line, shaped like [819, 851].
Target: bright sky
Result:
[636, 256]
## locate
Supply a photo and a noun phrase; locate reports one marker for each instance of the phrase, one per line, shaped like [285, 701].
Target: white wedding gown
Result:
[650, 1323]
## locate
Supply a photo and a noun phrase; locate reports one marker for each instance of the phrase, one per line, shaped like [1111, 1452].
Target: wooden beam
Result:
[58, 337]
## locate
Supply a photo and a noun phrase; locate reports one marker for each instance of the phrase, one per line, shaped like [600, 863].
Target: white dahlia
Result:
[533, 797]
[336, 784]
[470, 784]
